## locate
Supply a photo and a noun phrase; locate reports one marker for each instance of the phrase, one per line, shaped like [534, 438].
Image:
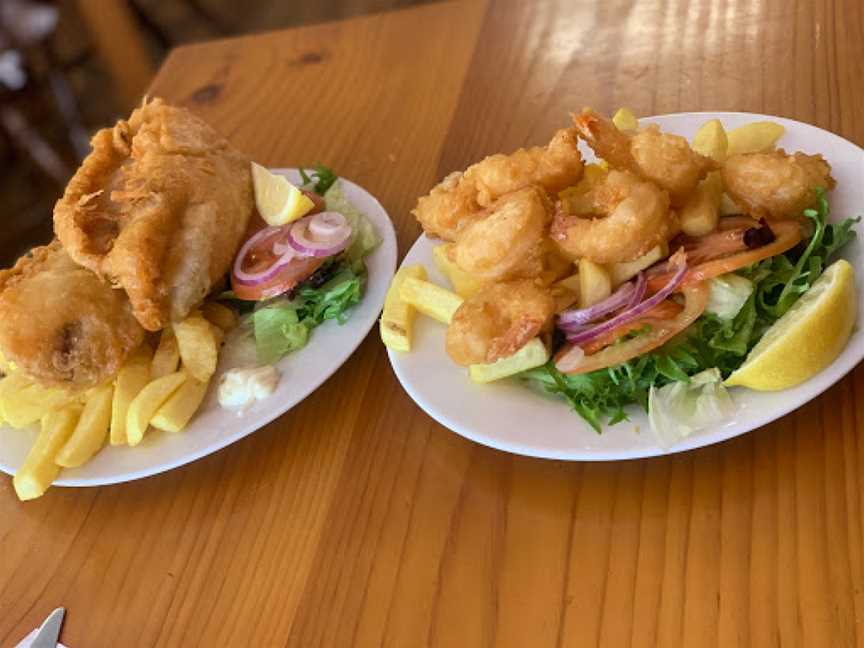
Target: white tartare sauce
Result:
[240, 388]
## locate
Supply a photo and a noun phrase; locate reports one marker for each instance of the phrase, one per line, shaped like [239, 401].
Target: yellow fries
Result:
[756, 137]
[147, 403]
[39, 469]
[529, 356]
[711, 140]
[625, 120]
[463, 283]
[133, 377]
[626, 270]
[91, 430]
[430, 299]
[220, 315]
[198, 348]
[22, 403]
[595, 283]
[397, 320]
[702, 211]
[167, 355]
[177, 411]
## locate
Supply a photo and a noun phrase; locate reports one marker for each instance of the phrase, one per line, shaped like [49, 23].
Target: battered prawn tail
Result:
[633, 217]
[499, 321]
[605, 139]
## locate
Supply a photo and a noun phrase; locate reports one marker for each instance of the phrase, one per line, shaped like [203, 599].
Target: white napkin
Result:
[26, 641]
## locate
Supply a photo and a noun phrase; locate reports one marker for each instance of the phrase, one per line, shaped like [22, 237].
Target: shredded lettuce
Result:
[712, 341]
[677, 410]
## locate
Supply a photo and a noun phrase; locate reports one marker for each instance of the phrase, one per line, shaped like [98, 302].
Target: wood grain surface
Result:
[358, 521]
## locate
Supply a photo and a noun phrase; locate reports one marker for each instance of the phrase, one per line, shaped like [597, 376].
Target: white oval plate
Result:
[213, 428]
[510, 417]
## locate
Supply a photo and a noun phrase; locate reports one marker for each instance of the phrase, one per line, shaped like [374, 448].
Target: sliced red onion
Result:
[304, 241]
[255, 278]
[632, 312]
[639, 290]
[577, 316]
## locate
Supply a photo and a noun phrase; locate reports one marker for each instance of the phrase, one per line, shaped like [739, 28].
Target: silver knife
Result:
[49, 632]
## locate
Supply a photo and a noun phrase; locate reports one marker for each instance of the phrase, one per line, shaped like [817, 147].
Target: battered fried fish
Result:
[460, 198]
[60, 324]
[158, 208]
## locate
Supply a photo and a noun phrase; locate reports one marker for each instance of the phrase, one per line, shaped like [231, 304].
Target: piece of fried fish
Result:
[158, 208]
[60, 324]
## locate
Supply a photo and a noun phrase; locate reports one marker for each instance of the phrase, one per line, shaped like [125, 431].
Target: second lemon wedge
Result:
[278, 201]
[807, 338]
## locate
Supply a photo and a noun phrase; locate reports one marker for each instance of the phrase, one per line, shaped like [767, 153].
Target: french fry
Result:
[147, 403]
[39, 469]
[529, 356]
[711, 140]
[463, 283]
[430, 299]
[91, 431]
[179, 409]
[132, 378]
[198, 349]
[565, 292]
[10, 386]
[595, 283]
[626, 270]
[397, 319]
[220, 315]
[702, 211]
[22, 402]
[625, 120]
[755, 137]
[167, 355]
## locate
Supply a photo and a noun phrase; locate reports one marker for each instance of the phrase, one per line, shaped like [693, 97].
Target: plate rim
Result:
[846, 361]
[389, 246]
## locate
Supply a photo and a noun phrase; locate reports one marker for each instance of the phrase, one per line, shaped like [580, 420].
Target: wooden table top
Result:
[357, 520]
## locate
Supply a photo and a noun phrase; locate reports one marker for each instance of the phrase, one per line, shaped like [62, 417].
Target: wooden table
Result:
[356, 520]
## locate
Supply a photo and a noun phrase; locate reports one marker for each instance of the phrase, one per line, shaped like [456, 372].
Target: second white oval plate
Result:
[511, 417]
[213, 428]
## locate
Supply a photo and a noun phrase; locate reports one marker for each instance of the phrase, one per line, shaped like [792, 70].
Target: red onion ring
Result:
[578, 316]
[305, 243]
[255, 278]
[633, 312]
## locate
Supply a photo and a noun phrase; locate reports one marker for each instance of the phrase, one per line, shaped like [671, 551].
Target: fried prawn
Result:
[624, 218]
[498, 321]
[776, 184]
[665, 159]
[462, 196]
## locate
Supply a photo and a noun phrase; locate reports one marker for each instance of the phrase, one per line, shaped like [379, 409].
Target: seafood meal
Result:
[659, 275]
[114, 329]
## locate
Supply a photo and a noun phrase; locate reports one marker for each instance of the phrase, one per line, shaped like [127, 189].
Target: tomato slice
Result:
[299, 269]
[571, 361]
[665, 310]
[261, 257]
[787, 233]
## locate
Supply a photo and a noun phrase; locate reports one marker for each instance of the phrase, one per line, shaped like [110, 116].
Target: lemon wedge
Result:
[807, 338]
[278, 201]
